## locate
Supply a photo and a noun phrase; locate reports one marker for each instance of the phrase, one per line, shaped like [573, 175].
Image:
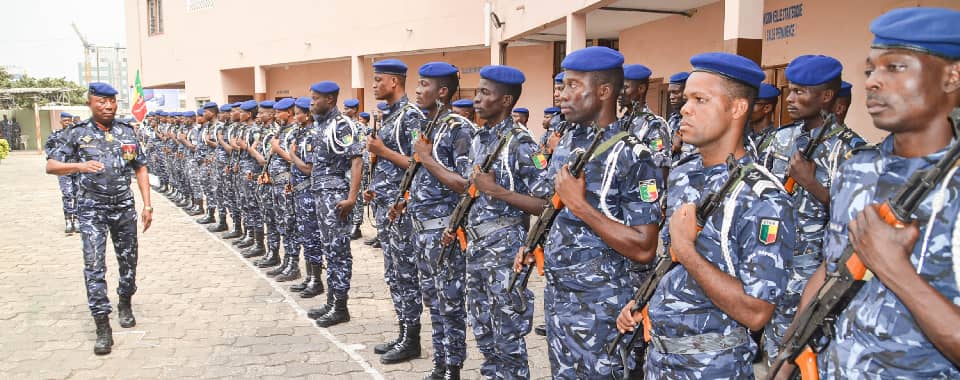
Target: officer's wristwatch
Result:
[147, 208]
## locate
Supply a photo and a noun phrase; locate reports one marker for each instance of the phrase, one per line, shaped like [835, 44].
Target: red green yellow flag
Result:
[139, 109]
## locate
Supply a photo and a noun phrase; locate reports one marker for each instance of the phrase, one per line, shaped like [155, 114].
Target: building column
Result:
[743, 28]
[576, 32]
[358, 72]
[259, 83]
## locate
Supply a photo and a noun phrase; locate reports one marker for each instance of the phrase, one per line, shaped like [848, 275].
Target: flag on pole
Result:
[139, 109]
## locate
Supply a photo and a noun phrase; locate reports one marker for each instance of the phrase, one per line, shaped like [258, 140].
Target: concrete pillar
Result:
[358, 72]
[576, 32]
[259, 83]
[743, 28]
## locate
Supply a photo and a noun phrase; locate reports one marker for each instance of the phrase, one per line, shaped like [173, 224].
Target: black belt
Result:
[105, 198]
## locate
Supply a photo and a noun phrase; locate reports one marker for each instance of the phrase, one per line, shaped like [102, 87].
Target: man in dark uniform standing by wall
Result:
[105, 152]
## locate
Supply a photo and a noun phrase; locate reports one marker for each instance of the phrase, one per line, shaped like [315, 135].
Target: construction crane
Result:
[87, 47]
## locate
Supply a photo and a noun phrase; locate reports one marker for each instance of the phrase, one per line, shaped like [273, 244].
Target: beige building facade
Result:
[231, 50]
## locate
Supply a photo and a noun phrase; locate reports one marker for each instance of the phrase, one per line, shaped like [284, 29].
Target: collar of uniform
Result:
[892, 162]
[503, 126]
[318, 119]
[395, 106]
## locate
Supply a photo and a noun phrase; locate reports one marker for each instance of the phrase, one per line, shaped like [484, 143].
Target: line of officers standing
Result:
[293, 171]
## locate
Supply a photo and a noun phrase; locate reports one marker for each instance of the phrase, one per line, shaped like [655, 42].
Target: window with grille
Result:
[155, 17]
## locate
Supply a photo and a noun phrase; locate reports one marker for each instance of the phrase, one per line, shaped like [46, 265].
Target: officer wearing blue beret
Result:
[844, 97]
[610, 218]
[761, 118]
[732, 274]
[105, 152]
[675, 87]
[67, 183]
[350, 108]
[520, 116]
[464, 107]
[209, 174]
[557, 126]
[902, 323]
[652, 130]
[277, 179]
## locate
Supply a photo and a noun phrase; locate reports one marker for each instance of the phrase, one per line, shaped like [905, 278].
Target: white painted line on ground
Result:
[350, 350]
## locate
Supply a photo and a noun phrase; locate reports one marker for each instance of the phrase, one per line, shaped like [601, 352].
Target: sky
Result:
[36, 34]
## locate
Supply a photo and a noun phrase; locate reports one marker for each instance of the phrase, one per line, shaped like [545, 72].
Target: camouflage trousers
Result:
[356, 216]
[500, 320]
[800, 271]
[194, 179]
[399, 264]
[68, 194]
[335, 239]
[234, 202]
[269, 212]
[158, 167]
[308, 227]
[286, 219]
[250, 202]
[209, 177]
[97, 219]
[581, 304]
[443, 290]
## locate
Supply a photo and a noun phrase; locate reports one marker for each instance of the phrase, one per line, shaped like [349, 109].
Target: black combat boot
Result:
[384, 347]
[183, 201]
[292, 272]
[540, 330]
[125, 310]
[452, 373]
[258, 249]
[75, 224]
[220, 226]
[314, 285]
[319, 311]
[104, 335]
[237, 229]
[197, 208]
[283, 266]
[337, 314]
[407, 348]
[68, 225]
[272, 258]
[356, 234]
[297, 288]
[437, 373]
[250, 238]
[207, 219]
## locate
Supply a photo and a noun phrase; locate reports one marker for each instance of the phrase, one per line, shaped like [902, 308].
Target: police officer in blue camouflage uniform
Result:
[464, 107]
[675, 87]
[281, 208]
[68, 183]
[557, 125]
[351, 110]
[814, 80]
[190, 161]
[844, 97]
[444, 155]
[392, 146]
[334, 158]
[609, 219]
[219, 167]
[761, 118]
[652, 130]
[903, 322]
[105, 152]
[732, 274]
[209, 173]
[265, 234]
[307, 231]
[496, 226]
[234, 185]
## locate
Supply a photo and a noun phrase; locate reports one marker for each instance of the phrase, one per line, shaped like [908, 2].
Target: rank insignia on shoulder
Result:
[86, 139]
[649, 191]
[539, 160]
[768, 231]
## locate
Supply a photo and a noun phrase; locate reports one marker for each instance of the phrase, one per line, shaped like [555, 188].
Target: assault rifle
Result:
[828, 119]
[413, 164]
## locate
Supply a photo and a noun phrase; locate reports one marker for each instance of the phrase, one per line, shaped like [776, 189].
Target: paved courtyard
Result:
[202, 310]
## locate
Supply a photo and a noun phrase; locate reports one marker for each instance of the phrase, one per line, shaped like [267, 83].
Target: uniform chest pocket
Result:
[91, 152]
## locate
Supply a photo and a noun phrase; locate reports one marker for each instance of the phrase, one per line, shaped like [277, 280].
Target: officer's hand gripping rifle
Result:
[829, 118]
[373, 157]
[803, 338]
[459, 215]
[667, 262]
[413, 164]
[537, 234]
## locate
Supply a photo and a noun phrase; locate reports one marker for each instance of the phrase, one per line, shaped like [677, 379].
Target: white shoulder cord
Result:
[396, 130]
[505, 161]
[436, 156]
[954, 243]
[938, 199]
[729, 207]
[611, 163]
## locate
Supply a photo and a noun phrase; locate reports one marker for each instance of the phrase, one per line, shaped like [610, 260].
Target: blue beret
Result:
[463, 103]
[636, 72]
[521, 110]
[731, 66]
[236, 104]
[209, 105]
[199, 111]
[551, 111]
[437, 70]
[929, 30]
[101, 89]
[365, 115]
[811, 70]
[267, 104]
[352, 103]
[768, 92]
[383, 106]
[302, 102]
[680, 77]
[594, 58]
[225, 108]
[558, 78]
[390, 66]
[65, 115]
[283, 104]
[189, 114]
[503, 74]
[248, 105]
[845, 90]
[325, 87]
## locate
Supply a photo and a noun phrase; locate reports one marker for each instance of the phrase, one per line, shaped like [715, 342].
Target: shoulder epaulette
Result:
[861, 148]
[761, 181]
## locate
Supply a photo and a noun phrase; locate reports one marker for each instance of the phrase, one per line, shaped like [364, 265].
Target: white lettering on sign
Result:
[196, 5]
